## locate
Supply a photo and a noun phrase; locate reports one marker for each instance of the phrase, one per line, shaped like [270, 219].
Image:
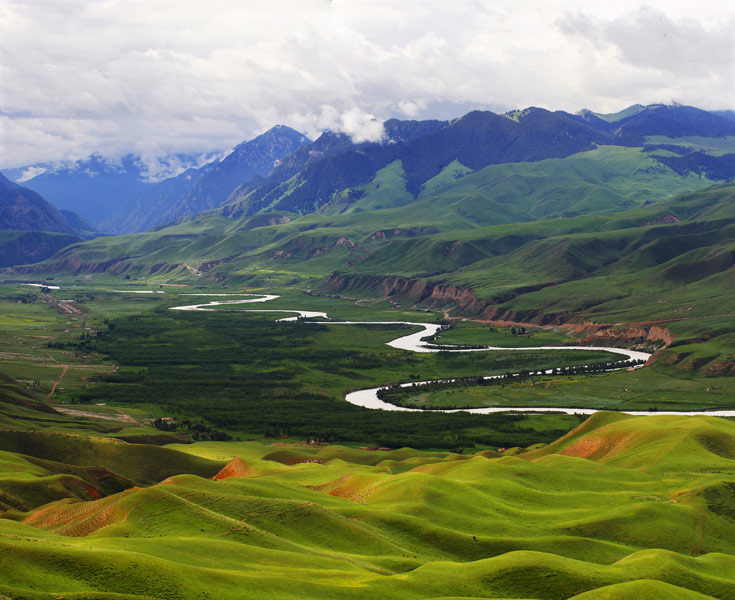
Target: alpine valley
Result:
[187, 345]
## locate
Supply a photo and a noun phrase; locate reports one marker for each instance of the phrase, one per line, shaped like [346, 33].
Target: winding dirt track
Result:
[64, 369]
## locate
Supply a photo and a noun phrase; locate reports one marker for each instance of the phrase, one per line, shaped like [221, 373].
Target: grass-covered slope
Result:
[621, 507]
[22, 247]
[669, 265]
[46, 455]
[141, 463]
[362, 221]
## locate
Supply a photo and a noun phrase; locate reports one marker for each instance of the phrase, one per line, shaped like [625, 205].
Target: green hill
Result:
[622, 507]
[355, 224]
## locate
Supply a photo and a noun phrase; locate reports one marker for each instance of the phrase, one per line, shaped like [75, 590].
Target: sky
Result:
[154, 77]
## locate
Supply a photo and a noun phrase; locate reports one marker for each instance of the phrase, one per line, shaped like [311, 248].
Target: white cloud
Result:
[361, 126]
[650, 39]
[30, 173]
[411, 109]
[118, 76]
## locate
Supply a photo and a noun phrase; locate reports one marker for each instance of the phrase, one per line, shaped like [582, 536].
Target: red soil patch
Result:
[84, 518]
[237, 467]
[490, 454]
[596, 446]
[92, 523]
[76, 520]
[348, 487]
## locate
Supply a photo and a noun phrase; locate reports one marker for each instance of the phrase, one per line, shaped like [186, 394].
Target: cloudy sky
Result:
[159, 76]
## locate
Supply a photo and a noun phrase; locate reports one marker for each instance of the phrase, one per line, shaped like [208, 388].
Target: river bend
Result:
[368, 398]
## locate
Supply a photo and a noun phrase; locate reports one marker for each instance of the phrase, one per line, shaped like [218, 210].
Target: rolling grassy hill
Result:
[47, 455]
[621, 507]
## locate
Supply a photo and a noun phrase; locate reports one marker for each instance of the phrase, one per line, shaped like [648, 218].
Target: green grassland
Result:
[685, 376]
[47, 360]
[713, 146]
[469, 332]
[647, 390]
[621, 507]
[386, 190]
[66, 316]
[361, 222]
[102, 498]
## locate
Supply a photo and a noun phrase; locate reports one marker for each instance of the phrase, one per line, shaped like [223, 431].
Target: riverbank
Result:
[368, 398]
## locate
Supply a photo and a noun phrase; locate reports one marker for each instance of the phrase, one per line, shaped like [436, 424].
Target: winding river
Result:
[368, 398]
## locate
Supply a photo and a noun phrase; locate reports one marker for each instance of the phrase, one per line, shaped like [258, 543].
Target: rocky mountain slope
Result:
[31, 229]
[23, 209]
[256, 157]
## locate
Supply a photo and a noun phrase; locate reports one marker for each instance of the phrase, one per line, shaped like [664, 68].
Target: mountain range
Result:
[121, 196]
[482, 169]
[282, 170]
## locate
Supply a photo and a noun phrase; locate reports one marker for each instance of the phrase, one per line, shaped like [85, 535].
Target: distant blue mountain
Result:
[252, 159]
[121, 197]
[151, 207]
[96, 187]
[728, 114]
[93, 187]
[23, 209]
[31, 229]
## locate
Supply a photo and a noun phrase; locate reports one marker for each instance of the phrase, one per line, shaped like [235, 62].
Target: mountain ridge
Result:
[32, 229]
[23, 209]
[254, 157]
[295, 175]
[476, 140]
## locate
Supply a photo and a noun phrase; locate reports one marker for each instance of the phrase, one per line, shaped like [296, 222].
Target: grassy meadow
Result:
[621, 507]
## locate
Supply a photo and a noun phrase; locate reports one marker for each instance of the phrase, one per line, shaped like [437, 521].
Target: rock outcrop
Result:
[457, 301]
